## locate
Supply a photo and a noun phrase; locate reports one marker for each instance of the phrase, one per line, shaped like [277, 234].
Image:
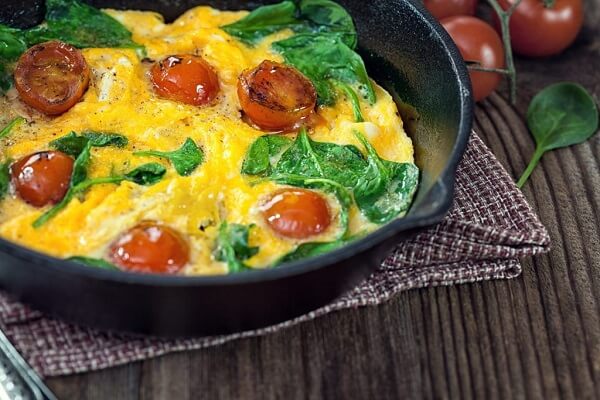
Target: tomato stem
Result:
[479, 68]
[549, 3]
[504, 17]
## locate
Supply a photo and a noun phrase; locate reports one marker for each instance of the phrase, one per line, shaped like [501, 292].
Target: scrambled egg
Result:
[121, 100]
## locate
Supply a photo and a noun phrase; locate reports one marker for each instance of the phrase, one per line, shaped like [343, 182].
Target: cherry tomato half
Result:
[185, 78]
[449, 8]
[538, 31]
[42, 178]
[479, 42]
[297, 213]
[276, 97]
[150, 248]
[52, 77]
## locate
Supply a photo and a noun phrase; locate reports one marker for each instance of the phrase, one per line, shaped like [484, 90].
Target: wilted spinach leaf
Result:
[559, 116]
[263, 150]
[232, 246]
[382, 189]
[12, 45]
[80, 25]
[73, 144]
[353, 99]
[185, 160]
[80, 147]
[323, 58]
[4, 178]
[10, 126]
[308, 250]
[386, 189]
[93, 262]
[303, 16]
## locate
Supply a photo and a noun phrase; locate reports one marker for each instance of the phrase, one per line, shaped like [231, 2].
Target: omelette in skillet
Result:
[219, 143]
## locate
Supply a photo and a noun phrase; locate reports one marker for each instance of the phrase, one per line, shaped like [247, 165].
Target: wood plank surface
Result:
[535, 337]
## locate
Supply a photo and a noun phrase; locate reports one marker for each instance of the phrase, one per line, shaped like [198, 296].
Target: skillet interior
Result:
[409, 54]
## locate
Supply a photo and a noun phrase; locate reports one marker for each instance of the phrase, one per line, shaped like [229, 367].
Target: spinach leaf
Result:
[4, 178]
[232, 246]
[80, 25]
[323, 58]
[263, 150]
[328, 16]
[561, 115]
[73, 144]
[353, 98]
[308, 158]
[12, 46]
[185, 160]
[303, 16]
[11, 125]
[382, 189]
[147, 174]
[264, 21]
[308, 250]
[385, 190]
[93, 262]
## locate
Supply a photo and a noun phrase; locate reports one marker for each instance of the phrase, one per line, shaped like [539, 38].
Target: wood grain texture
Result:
[536, 337]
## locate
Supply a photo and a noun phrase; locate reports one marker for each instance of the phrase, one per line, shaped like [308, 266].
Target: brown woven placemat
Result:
[488, 229]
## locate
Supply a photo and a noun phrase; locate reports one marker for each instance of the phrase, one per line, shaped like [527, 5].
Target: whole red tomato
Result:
[478, 42]
[448, 8]
[539, 30]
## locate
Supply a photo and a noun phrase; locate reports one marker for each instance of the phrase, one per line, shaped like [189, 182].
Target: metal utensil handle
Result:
[17, 379]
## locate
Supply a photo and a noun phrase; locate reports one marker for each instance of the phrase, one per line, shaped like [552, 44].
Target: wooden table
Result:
[536, 337]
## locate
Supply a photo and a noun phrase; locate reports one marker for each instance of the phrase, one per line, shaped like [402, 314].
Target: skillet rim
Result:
[444, 182]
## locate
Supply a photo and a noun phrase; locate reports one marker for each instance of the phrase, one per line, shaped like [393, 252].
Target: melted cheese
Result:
[121, 100]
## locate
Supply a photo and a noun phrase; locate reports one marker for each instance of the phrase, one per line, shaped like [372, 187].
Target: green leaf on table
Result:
[4, 178]
[232, 246]
[185, 160]
[80, 25]
[10, 126]
[386, 189]
[73, 144]
[324, 58]
[262, 154]
[93, 262]
[561, 115]
[304, 16]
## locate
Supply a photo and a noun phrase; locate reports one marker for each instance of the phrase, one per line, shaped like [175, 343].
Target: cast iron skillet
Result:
[407, 52]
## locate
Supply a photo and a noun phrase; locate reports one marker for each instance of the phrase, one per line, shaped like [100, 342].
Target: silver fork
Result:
[18, 381]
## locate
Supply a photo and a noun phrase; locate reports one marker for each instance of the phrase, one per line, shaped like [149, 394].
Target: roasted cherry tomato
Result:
[449, 8]
[52, 77]
[478, 42]
[150, 248]
[185, 78]
[538, 30]
[297, 213]
[42, 178]
[276, 97]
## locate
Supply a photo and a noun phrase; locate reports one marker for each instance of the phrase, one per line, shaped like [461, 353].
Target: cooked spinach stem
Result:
[353, 99]
[11, 125]
[185, 160]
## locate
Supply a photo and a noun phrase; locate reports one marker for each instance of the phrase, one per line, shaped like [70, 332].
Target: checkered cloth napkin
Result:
[488, 229]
